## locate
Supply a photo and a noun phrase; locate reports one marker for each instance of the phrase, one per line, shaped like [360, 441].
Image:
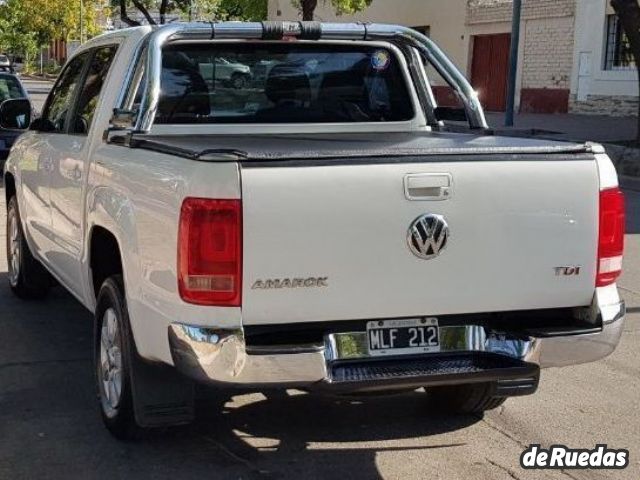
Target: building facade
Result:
[572, 55]
[604, 77]
[545, 56]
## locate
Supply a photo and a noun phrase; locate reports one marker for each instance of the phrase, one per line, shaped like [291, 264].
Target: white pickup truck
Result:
[327, 228]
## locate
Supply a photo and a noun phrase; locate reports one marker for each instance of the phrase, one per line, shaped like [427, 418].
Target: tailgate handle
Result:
[428, 186]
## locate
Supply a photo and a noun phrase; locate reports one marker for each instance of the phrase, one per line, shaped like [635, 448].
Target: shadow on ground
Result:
[632, 206]
[50, 426]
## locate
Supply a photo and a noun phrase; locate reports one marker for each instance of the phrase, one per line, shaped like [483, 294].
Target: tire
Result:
[239, 80]
[27, 277]
[464, 399]
[113, 350]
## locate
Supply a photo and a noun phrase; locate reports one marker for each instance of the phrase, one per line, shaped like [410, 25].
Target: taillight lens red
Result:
[210, 252]
[611, 236]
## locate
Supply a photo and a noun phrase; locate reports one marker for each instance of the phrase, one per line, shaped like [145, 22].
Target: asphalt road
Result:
[38, 91]
[50, 426]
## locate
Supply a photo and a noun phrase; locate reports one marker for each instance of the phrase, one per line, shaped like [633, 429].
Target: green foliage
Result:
[53, 67]
[200, 9]
[31, 65]
[341, 7]
[247, 10]
[14, 37]
[348, 7]
[26, 25]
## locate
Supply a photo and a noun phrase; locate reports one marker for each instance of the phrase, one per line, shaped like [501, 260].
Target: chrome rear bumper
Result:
[221, 356]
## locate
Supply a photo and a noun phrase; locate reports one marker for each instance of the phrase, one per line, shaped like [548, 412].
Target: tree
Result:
[142, 7]
[628, 12]
[249, 10]
[307, 8]
[14, 39]
[26, 25]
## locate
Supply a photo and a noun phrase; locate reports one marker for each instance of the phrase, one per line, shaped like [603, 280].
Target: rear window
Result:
[9, 88]
[281, 83]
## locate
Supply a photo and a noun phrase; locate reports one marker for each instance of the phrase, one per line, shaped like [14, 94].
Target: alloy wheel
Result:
[110, 366]
[13, 251]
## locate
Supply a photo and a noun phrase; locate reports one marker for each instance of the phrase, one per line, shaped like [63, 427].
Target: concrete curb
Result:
[48, 77]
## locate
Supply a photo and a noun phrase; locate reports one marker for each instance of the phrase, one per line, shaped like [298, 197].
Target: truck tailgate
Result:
[512, 222]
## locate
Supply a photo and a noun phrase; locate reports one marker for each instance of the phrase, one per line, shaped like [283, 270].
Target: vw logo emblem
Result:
[428, 236]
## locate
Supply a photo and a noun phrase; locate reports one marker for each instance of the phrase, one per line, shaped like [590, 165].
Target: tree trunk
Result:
[163, 11]
[138, 4]
[308, 8]
[124, 17]
[628, 12]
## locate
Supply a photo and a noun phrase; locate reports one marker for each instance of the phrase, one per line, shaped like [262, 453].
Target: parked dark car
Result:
[10, 89]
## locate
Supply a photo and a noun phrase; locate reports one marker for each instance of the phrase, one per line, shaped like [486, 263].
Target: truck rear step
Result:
[510, 376]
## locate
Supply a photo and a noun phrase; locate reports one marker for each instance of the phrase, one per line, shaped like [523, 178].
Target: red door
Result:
[489, 69]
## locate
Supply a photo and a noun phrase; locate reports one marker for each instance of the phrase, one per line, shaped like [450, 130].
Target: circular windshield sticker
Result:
[380, 59]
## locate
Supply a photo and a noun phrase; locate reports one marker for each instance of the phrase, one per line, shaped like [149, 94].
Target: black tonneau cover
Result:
[385, 146]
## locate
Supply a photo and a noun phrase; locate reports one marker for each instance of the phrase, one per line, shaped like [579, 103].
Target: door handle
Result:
[428, 186]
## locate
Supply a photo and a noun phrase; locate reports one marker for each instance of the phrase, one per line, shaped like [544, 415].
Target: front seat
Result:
[343, 97]
[185, 94]
[289, 90]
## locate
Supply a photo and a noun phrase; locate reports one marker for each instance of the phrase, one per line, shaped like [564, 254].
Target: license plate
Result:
[403, 337]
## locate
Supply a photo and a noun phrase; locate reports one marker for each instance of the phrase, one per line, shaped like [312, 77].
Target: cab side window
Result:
[54, 118]
[91, 88]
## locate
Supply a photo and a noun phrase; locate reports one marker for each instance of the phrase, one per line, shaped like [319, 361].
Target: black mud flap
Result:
[161, 396]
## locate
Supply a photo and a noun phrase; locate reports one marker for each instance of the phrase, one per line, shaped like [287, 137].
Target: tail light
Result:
[611, 236]
[210, 252]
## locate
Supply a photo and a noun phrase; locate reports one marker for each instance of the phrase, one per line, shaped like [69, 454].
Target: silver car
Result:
[5, 64]
[234, 74]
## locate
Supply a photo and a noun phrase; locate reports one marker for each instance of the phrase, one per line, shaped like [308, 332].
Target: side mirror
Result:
[36, 124]
[15, 114]
[41, 125]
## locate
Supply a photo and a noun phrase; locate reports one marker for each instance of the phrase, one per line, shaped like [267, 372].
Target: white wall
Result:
[446, 18]
[588, 74]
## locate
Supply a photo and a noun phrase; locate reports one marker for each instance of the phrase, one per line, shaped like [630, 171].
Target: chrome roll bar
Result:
[396, 34]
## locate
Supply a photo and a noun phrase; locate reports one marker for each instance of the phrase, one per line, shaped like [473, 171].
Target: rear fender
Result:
[111, 210]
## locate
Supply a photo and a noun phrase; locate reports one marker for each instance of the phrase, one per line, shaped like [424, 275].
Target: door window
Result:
[61, 97]
[90, 92]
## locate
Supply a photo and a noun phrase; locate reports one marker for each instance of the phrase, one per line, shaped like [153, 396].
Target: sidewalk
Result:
[579, 128]
[38, 90]
[593, 128]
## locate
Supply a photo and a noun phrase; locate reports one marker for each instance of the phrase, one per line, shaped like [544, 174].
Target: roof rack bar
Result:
[301, 30]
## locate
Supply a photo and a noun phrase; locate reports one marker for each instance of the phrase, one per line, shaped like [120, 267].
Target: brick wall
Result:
[548, 53]
[612, 105]
[547, 39]
[547, 34]
[491, 11]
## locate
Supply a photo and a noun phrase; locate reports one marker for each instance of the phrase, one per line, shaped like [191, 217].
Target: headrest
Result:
[348, 85]
[288, 82]
[185, 92]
